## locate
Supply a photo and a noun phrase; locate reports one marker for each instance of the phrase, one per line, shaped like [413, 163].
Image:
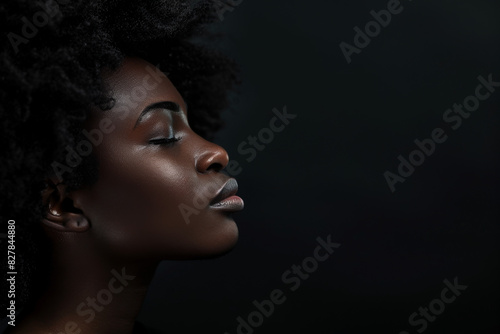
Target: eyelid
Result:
[162, 105]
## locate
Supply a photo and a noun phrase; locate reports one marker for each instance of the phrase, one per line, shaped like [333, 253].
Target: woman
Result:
[106, 171]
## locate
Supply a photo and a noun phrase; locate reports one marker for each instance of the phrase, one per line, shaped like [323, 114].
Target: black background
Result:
[323, 174]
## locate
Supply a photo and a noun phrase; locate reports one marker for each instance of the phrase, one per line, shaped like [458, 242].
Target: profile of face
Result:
[160, 193]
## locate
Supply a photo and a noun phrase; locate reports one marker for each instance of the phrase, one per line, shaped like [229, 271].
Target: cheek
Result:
[137, 209]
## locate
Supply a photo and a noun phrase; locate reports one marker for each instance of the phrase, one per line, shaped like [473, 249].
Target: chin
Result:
[218, 243]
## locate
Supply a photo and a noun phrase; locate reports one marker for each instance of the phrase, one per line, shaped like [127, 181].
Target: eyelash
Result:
[164, 141]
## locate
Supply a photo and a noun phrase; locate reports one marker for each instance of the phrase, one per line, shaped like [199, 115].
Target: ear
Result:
[60, 211]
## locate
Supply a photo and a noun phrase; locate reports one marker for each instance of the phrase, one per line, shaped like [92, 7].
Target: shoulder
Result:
[140, 328]
[4, 325]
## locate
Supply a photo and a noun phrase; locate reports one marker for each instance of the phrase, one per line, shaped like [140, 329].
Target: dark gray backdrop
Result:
[324, 174]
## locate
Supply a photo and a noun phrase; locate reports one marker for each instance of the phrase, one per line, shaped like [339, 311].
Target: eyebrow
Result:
[168, 105]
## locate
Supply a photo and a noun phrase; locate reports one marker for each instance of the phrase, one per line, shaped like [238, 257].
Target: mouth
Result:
[226, 199]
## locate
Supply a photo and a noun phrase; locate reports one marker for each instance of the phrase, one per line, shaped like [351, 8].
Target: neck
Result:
[90, 294]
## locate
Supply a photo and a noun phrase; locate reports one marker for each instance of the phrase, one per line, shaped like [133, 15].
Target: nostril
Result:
[217, 167]
[209, 165]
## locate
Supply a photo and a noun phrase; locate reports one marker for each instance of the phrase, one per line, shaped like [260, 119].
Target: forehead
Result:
[137, 84]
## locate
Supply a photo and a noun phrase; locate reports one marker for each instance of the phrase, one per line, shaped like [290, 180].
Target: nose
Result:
[212, 157]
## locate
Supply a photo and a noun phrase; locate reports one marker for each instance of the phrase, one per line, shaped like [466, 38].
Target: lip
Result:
[226, 199]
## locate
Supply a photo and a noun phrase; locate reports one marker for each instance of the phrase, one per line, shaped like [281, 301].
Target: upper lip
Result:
[228, 189]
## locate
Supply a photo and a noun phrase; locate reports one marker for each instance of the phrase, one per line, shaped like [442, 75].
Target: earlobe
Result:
[66, 222]
[61, 214]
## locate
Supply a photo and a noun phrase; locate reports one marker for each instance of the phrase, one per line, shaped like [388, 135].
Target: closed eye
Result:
[164, 141]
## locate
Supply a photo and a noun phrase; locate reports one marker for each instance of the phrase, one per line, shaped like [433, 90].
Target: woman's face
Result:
[158, 180]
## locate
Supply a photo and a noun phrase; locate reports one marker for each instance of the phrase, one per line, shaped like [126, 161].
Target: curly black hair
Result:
[52, 58]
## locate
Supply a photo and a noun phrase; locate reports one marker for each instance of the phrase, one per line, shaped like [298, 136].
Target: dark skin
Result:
[153, 200]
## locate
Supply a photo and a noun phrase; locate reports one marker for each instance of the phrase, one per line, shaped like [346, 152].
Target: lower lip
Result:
[230, 204]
